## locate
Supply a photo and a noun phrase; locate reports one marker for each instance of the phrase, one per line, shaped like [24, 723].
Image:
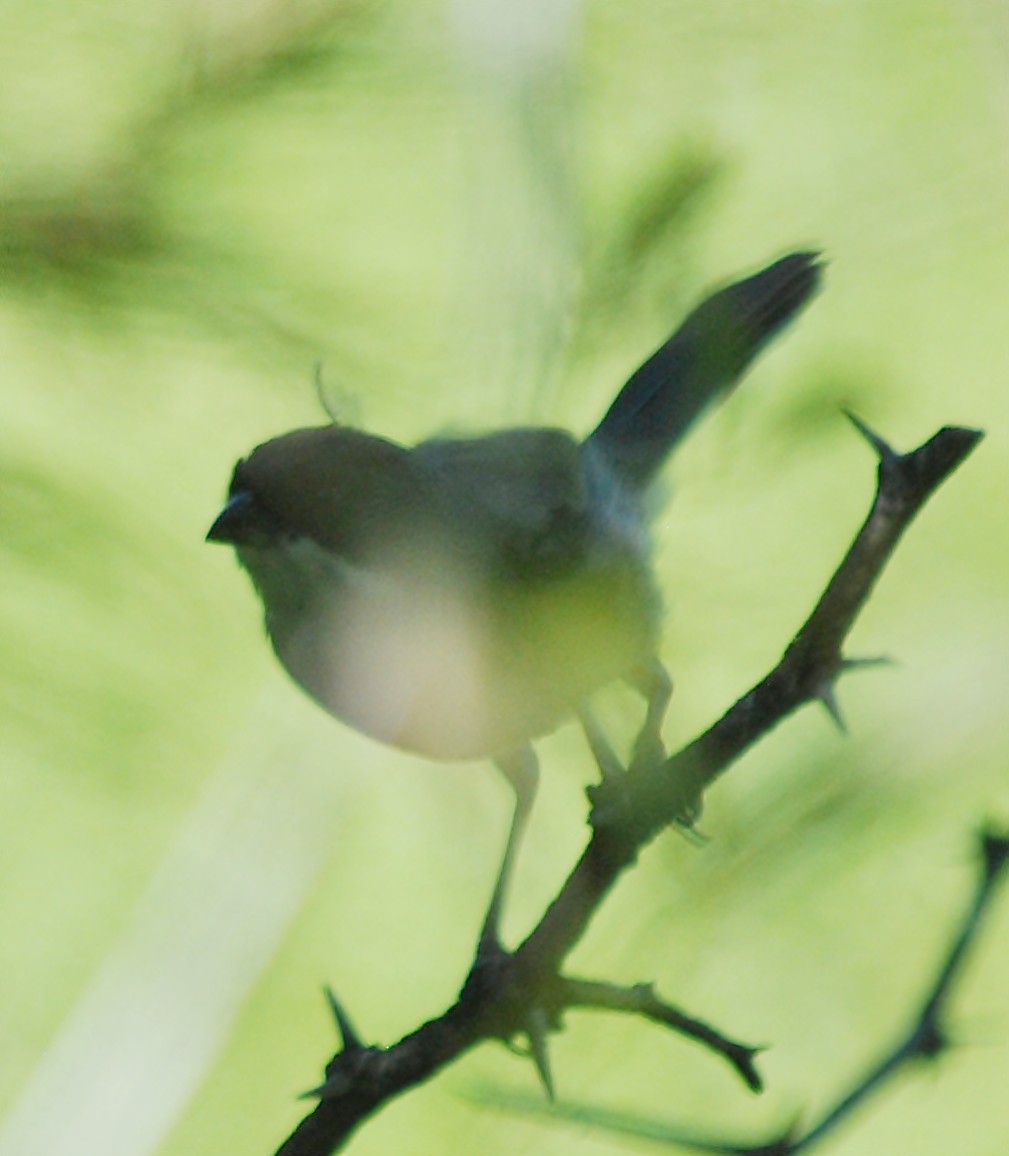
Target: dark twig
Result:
[925, 1039]
[641, 1000]
[505, 994]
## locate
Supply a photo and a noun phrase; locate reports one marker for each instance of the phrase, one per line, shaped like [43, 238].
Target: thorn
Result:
[866, 663]
[536, 1031]
[335, 1084]
[340, 1070]
[320, 1092]
[994, 851]
[827, 696]
[686, 823]
[338, 1081]
[930, 1041]
[692, 833]
[884, 451]
[745, 1060]
[348, 1035]
[827, 692]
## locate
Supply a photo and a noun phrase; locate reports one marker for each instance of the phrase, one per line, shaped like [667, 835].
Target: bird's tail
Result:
[703, 359]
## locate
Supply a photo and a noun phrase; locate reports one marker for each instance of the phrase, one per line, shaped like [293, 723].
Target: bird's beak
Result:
[237, 522]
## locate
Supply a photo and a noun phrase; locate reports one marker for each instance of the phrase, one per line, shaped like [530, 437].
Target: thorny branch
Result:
[925, 1039]
[524, 993]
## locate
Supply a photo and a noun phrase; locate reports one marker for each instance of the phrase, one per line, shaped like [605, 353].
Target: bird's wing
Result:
[519, 496]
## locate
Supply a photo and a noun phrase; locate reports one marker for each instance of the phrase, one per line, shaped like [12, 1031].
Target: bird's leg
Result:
[522, 770]
[607, 760]
[654, 683]
[649, 750]
[656, 687]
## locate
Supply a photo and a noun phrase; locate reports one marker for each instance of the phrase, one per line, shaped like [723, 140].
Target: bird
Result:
[462, 597]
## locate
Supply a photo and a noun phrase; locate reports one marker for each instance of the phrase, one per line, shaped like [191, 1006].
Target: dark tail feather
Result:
[703, 359]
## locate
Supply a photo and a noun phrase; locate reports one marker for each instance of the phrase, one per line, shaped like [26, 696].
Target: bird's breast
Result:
[445, 662]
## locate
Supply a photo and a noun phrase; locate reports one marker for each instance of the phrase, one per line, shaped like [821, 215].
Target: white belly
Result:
[432, 663]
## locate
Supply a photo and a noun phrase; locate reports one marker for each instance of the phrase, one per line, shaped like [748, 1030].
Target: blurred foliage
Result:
[471, 214]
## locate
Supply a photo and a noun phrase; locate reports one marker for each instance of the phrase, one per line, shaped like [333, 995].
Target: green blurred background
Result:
[468, 214]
